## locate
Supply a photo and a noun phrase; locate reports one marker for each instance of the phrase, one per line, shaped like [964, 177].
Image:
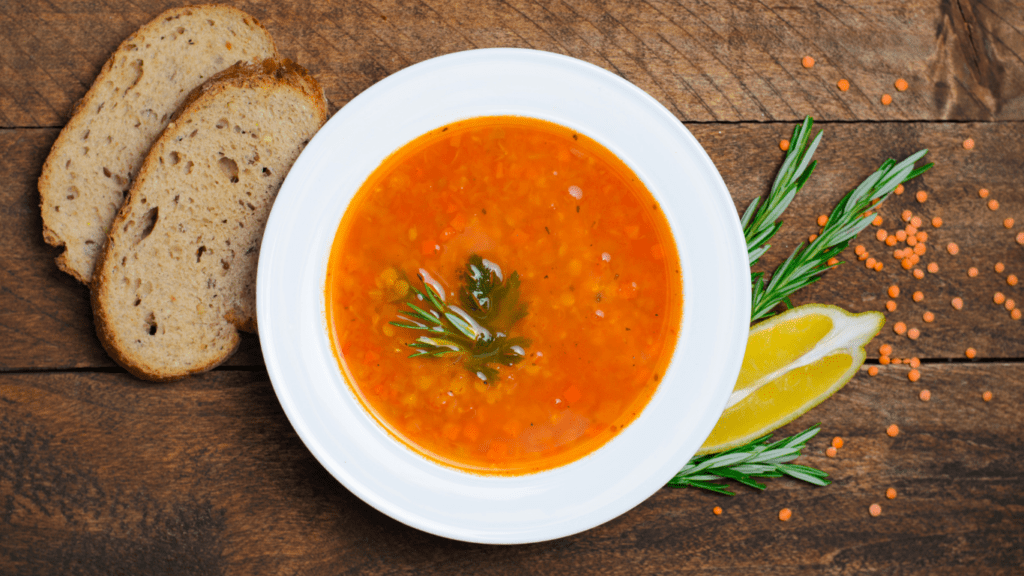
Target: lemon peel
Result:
[794, 361]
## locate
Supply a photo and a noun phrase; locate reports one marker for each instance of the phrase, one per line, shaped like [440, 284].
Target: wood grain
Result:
[102, 474]
[706, 62]
[46, 320]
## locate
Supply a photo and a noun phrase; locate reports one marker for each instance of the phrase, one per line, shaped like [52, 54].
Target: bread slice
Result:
[99, 151]
[176, 279]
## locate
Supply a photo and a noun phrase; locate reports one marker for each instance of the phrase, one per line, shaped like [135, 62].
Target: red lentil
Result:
[717, 510]
[928, 317]
[894, 291]
[952, 248]
[807, 62]
[881, 235]
[783, 145]
[886, 99]
[893, 430]
[957, 303]
[900, 328]
[998, 298]
[822, 220]
[906, 215]
[915, 362]
[870, 262]
[986, 396]
[899, 189]
[859, 249]
[999, 267]
[972, 272]
[812, 238]
[969, 144]
[885, 350]
[831, 452]
[1020, 238]
[913, 333]
[879, 266]
[833, 261]
[1008, 223]
[993, 204]
[922, 236]
[890, 493]
[983, 192]
[890, 241]
[1010, 304]
[873, 371]
[933, 267]
[1015, 313]
[922, 196]
[1011, 280]
[936, 222]
[971, 353]
[884, 360]
[918, 296]
[925, 395]
[901, 84]
[843, 85]
[914, 376]
[918, 273]
[877, 221]
[875, 510]
[785, 514]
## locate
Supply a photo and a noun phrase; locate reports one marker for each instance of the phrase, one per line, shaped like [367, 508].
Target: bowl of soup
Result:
[503, 296]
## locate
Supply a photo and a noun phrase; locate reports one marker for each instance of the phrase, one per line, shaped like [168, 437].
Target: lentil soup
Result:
[531, 275]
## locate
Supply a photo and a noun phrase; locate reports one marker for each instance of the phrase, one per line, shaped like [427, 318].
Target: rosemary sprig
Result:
[853, 213]
[757, 459]
[478, 330]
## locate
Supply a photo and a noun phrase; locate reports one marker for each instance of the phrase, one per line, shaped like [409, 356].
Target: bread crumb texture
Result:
[95, 159]
[177, 277]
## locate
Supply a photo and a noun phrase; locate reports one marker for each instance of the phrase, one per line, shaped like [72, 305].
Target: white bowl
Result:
[293, 267]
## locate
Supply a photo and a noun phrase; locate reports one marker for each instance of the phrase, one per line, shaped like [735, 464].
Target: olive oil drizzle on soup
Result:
[598, 274]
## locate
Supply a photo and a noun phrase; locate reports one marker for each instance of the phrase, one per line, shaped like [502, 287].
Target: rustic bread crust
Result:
[180, 260]
[97, 154]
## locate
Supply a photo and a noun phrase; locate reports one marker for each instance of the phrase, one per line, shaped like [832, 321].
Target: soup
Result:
[503, 295]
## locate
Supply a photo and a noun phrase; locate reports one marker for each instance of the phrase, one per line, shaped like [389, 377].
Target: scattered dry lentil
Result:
[933, 267]
[928, 317]
[885, 349]
[921, 236]
[822, 220]
[1010, 304]
[936, 222]
[807, 62]
[918, 296]
[918, 273]
[993, 204]
[859, 249]
[870, 262]
[899, 189]
[998, 298]
[972, 272]
[890, 493]
[884, 360]
[831, 452]
[1008, 223]
[983, 192]
[907, 263]
[922, 196]
[897, 361]
[920, 249]
[986, 396]
[1020, 238]
[901, 84]
[875, 510]
[906, 215]
[785, 514]
[863, 256]
[879, 266]
[717, 510]
[911, 238]
[952, 248]
[843, 85]
[925, 395]
[812, 238]
[1015, 313]
[892, 430]
[886, 99]
[837, 442]
[901, 235]
[1011, 280]
[873, 371]
[999, 267]
[833, 261]
[913, 333]
[877, 221]
[894, 291]
[783, 145]
[970, 353]
[900, 328]
[881, 235]
[915, 362]
[913, 375]
[957, 303]
[890, 241]
[969, 144]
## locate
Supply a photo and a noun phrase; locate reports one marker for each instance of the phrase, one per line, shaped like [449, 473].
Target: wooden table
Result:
[103, 474]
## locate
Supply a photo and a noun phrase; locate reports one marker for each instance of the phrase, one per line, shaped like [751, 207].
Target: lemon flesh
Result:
[793, 362]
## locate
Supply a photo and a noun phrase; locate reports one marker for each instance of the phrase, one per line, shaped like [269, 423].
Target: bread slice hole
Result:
[106, 172]
[147, 223]
[267, 172]
[151, 324]
[188, 167]
[137, 66]
[199, 253]
[72, 192]
[222, 123]
[230, 168]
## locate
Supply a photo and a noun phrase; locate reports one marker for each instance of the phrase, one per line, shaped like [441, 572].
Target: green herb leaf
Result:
[478, 330]
[757, 459]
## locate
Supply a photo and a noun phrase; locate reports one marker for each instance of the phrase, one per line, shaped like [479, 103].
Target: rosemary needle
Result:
[756, 459]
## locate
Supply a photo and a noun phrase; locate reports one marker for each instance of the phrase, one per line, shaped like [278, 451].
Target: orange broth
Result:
[598, 268]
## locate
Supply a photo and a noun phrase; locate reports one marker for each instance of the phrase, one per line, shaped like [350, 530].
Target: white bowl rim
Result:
[353, 447]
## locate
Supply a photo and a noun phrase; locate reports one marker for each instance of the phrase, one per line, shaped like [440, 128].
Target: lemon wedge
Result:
[793, 362]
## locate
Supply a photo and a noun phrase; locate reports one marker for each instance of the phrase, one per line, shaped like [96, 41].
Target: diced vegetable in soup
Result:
[503, 295]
